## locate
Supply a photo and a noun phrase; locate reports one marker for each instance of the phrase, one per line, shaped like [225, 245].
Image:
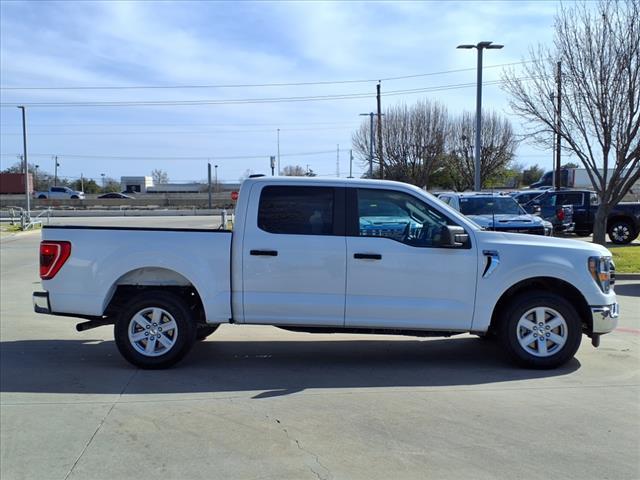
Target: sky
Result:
[232, 56]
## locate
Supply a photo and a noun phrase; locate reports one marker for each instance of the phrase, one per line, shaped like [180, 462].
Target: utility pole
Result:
[215, 185]
[370, 115]
[35, 178]
[27, 193]
[55, 171]
[209, 182]
[279, 171]
[81, 182]
[380, 132]
[558, 178]
[350, 163]
[338, 162]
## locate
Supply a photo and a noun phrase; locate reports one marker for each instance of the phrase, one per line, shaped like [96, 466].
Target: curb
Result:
[627, 276]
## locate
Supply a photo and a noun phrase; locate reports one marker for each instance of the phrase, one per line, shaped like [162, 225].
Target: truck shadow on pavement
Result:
[269, 368]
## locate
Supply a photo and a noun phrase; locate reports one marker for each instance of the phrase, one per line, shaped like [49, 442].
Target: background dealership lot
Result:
[258, 402]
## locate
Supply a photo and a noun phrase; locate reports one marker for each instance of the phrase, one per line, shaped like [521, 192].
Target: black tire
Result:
[146, 305]
[538, 354]
[74, 197]
[622, 232]
[205, 330]
[42, 197]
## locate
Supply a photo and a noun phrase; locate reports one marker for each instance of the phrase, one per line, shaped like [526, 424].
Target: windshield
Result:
[490, 206]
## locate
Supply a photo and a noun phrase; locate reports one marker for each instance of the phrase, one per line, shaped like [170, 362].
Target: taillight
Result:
[560, 214]
[53, 254]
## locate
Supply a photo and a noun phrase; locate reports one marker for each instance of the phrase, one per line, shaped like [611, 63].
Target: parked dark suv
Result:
[623, 222]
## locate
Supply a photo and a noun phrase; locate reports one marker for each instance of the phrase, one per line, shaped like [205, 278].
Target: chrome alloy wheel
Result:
[542, 331]
[620, 233]
[153, 331]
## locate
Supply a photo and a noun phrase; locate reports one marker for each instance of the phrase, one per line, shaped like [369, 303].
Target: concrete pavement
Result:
[259, 402]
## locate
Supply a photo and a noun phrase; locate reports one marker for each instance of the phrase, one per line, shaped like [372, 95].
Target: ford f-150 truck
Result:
[311, 255]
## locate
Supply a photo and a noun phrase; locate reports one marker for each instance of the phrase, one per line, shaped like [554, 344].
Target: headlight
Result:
[602, 271]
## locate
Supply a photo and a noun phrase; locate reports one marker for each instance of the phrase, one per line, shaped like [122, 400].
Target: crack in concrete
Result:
[309, 453]
[100, 425]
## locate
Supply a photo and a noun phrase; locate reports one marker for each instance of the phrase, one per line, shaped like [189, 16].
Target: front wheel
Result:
[540, 330]
[155, 330]
[621, 232]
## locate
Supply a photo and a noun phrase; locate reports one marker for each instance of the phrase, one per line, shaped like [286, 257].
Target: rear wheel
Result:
[155, 330]
[42, 197]
[622, 231]
[540, 330]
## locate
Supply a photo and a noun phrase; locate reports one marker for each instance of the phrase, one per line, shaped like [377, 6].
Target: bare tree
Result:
[294, 171]
[498, 148]
[414, 140]
[159, 176]
[600, 53]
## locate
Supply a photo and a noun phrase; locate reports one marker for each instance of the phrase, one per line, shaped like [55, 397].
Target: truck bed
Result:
[105, 258]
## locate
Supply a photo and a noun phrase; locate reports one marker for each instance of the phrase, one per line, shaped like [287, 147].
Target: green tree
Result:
[532, 174]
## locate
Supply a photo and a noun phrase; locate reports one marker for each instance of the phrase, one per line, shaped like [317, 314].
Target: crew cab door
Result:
[294, 256]
[398, 274]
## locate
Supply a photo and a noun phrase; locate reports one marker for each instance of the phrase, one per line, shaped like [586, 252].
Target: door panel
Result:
[292, 278]
[411, 282]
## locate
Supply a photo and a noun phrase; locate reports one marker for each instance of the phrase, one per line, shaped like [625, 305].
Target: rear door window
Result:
[295, 210]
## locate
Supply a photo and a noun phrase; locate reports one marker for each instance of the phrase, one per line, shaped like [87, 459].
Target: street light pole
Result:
[55, 171]
[26, 164]
[478, 143]
[216, 177]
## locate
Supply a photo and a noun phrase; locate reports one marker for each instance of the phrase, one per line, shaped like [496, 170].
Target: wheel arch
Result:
[152, 278]
[549, 284]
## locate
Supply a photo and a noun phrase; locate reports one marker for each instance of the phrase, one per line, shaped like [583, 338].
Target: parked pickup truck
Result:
[59, 193]
[494, 211]
[304, 256]
[623, 222]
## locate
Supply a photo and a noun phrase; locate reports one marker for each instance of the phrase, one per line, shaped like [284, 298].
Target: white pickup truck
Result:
[350, 256]
[59, 193]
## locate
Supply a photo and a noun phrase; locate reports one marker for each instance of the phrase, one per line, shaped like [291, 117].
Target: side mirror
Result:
[454, 236]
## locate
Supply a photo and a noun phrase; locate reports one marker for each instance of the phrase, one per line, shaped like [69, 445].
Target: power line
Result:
[272, 124]
[174, 132]
[251, 85]
[246, 101]
[134, 157]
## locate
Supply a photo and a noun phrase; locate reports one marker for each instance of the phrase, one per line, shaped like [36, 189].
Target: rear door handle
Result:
[266, 253]
[367, 256]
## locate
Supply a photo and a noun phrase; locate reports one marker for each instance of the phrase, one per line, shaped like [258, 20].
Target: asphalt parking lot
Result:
[261, 403]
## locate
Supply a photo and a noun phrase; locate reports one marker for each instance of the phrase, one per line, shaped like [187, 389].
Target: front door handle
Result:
[367, 256]
[266, 253]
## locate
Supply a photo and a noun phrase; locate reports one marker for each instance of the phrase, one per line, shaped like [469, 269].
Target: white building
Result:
[136, 184]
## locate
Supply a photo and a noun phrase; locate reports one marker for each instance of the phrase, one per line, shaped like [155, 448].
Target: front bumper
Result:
[605, 318]
[41, 302]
